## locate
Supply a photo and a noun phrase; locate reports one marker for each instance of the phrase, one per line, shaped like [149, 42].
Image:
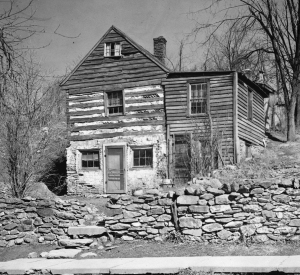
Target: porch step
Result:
[75, 242]
[90, 230]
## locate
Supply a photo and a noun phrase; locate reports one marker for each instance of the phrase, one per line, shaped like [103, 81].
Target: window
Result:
[142, 157]
[112, 49]
[198, 97]
[90, 159]
[114, 103]
[250, 104]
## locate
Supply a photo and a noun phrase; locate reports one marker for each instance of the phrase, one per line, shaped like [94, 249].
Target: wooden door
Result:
[181, 159]
[115, 172]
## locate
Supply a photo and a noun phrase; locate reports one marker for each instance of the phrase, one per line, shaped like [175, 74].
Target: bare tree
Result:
[32, 129]
[277, 24]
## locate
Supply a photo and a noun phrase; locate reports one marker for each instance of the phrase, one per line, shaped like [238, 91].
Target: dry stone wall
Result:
[263, 211]
[35, 220]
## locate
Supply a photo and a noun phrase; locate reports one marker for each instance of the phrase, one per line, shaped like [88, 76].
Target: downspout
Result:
[236, 143]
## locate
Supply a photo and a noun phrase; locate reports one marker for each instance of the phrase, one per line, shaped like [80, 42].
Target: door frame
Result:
[122, 145]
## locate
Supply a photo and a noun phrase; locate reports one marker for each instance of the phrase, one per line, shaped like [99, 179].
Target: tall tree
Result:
[278, 26]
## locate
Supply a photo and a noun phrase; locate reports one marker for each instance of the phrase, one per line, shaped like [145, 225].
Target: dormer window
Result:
[112, 49]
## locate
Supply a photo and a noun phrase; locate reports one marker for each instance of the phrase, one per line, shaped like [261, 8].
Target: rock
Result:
[295, 222]
[224, 234]
[152, 230]
[63, 253]
[212, 227]
[215, 191]
[189, 222]
[127, 238]
[145, 219]
[277, 191]
[155, 211]
[113, 206]
[219, 208]
[45, 212]
[224, 220]
[265, 184]
[285, 230]
[222, 199]
[32, 255]
[88, 254]
[193, 232]
[152, 191]
[190, 191]
[235, 187]
[10, 226]
[264, 230]
[165, 201]
[207, 196]
[268, 214]
[3, 243]
[19, 241]
[74, 242]
[198, 209]
[163, 218]
[120, 226]
[282, 198]
[261, 238]
[233, 224]
[138, 192]
[44, 254]
[158, 239]
[257, 191]
[187, 200]
[286, 183]
[248, 230]
[131, 214]
[251, 208]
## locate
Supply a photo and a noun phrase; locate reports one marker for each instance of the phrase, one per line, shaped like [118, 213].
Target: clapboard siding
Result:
[221, 108]
[98, 71]
[252, 131]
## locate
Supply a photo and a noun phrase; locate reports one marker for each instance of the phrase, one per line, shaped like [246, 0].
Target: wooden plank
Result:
[88, 112]
[111, 135]
[117, 118]
[145, 107]
[117, 125]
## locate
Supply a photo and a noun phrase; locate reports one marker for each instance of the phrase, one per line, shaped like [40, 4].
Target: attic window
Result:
[112, 49]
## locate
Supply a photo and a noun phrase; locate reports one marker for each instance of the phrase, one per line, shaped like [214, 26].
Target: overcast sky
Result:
[142, 20]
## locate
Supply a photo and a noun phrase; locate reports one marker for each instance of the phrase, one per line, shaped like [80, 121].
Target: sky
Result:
[81, 23]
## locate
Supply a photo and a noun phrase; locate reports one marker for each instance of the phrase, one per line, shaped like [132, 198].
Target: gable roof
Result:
[129, 40]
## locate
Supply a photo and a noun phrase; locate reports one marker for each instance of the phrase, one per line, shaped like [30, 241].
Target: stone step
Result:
[74, 242]
[90, 230]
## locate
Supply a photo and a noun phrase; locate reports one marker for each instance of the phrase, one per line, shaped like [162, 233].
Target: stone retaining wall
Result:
[207, 211]
[263, 211]
[35, 220]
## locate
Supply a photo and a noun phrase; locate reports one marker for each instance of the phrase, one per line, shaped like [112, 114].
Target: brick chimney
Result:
[160, 48]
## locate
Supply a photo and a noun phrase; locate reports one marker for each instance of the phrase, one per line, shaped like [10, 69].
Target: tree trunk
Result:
[291, 129]
[298, 111]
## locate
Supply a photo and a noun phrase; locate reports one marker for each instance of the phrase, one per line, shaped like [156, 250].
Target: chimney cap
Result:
[160, 38]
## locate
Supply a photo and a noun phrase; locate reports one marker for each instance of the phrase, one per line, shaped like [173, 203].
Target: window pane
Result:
[148, 161]
[112, 49]
[142, 162]
[90, 163]
[136, 162]
[96, 163]
[143, 153]
[136, 153]
[84, 163]
[95, 156]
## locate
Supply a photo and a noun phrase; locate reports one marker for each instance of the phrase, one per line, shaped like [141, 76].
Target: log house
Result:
[127, 112]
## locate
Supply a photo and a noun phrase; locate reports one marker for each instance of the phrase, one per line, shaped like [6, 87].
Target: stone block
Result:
[165, 201]
[91, 230]
[222, 199]
[224, 234]
[260, 238]
[257, 191]
[187, 200]
[215, 191]
[163, 218]
[234, 224]
[251, 208]
[212, 227]
[193, 232]
[119, 226]
[207, 196]
[45, 212]
[248, 230]
[199, 209]
[219, 208]
[155, 211]
[295, 222]
[282, 198]
[63, 253]
[189, 222]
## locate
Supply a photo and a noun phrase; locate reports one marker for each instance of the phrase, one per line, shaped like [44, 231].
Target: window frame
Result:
[189, 105]
[250, 104]
[106, 106]
[94, 168]
[108, 54]
[142, 148]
